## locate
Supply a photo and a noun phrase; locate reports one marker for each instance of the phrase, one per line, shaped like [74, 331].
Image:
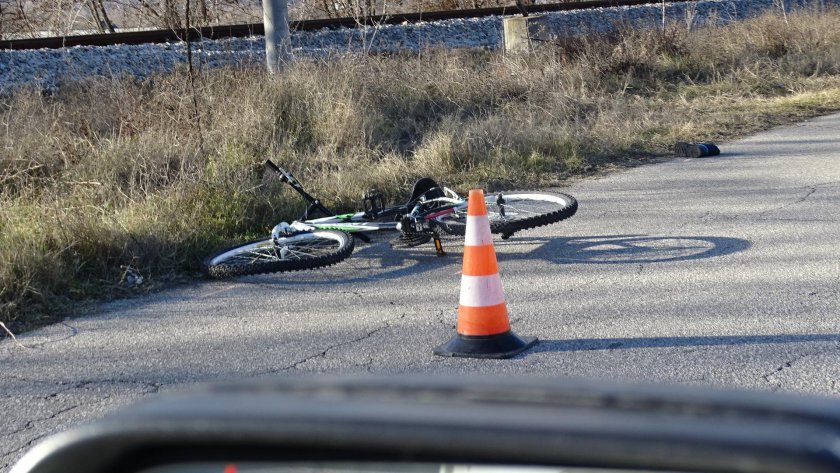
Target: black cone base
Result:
[503, 345]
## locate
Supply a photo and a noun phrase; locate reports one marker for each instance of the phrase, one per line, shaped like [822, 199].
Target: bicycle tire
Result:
[522, 210]
[307, 250]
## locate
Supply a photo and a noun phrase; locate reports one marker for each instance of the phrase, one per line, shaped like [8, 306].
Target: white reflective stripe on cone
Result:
[478, 231]
[481, 291]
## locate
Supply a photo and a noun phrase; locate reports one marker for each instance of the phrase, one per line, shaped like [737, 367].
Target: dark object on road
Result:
[695, 150]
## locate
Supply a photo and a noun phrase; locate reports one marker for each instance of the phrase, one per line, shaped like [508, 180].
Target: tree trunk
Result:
[94, 15]
[202, 10]
[25, 19]
[328, 10]
[100, 16]
[108, 24]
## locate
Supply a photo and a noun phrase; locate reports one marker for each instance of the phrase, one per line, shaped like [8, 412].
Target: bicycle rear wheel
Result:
[302, 251]
[514, 212]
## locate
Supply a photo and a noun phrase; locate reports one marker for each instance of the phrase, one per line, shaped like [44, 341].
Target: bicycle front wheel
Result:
[302, 251]
[510, 213]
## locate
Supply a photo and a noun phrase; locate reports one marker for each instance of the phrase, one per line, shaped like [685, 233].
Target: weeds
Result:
[111, 174]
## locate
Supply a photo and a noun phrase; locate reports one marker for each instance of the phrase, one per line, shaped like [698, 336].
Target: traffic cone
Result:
[483, 327]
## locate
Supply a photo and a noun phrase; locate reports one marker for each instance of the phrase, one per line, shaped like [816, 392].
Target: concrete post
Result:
[278, 43]
[521, 32]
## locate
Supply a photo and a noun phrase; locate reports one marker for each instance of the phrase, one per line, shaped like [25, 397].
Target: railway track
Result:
[238, 31]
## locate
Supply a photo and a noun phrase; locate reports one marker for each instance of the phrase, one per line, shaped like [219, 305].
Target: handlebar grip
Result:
[273, 166]
[284, 175]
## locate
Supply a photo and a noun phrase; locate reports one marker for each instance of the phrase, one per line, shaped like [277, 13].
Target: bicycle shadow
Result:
[624, 249]
[377, 261]
[370, 262]
[593, 344]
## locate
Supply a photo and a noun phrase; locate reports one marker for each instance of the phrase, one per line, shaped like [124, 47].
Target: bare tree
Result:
[170, 13]
[56, 17]
[17, 18]
[31, 17]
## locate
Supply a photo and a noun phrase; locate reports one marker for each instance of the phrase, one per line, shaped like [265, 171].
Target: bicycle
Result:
[430, 211]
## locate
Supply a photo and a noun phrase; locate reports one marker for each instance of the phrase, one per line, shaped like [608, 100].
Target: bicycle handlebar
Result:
[288, 178]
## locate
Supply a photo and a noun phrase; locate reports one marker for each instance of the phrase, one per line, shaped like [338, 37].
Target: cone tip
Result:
[475, 205]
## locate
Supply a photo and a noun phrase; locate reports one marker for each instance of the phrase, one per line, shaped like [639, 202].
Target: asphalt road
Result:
[721, 271]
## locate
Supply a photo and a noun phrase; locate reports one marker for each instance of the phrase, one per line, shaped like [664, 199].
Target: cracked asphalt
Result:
[720, 271]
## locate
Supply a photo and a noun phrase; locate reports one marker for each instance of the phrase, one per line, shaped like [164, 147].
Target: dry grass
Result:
[116, 173]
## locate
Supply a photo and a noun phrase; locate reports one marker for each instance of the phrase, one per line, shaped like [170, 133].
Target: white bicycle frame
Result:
[360, 221]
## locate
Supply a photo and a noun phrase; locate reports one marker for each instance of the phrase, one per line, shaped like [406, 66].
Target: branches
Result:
[196, 115]
[100, 16]
[59, 17]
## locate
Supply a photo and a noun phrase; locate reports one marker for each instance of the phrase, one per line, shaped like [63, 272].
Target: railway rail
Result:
[245, 30]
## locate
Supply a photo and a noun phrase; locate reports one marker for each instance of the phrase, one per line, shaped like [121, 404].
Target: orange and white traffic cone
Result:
[483, 326]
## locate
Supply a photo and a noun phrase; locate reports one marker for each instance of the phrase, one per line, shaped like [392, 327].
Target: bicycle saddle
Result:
[427, 188]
